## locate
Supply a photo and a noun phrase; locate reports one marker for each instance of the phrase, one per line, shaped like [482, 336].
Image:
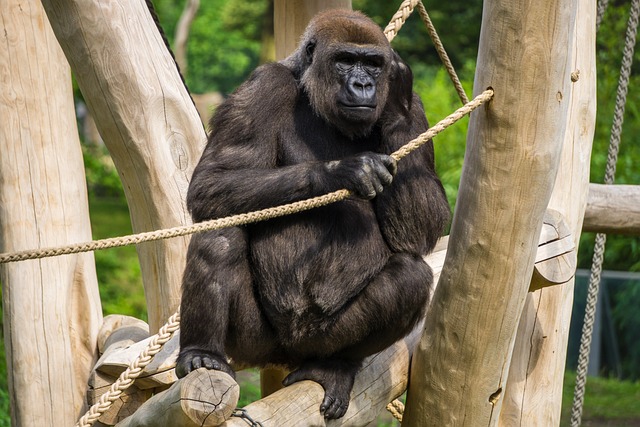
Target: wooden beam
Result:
[203, 398]
[291, 18]
[147, 121]
[51, 307]
[534, 387]
[613, 209]
[460, 366]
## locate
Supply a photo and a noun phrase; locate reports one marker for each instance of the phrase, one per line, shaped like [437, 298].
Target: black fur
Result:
[317, 291]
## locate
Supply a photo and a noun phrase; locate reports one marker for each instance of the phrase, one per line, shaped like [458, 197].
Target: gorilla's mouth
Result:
[358, 107]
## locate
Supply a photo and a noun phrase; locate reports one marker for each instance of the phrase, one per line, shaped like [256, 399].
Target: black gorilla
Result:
[317, 291]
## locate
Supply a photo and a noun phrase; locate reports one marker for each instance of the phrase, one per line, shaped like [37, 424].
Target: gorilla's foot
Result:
[335, 376]
[190, 360]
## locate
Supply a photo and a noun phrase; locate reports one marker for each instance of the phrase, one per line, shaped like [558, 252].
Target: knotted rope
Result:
[601, 238]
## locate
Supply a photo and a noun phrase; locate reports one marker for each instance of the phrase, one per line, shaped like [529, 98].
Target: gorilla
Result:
[316, 291]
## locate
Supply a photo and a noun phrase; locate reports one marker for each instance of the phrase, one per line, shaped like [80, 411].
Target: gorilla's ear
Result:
[308, 50]
[401, 80]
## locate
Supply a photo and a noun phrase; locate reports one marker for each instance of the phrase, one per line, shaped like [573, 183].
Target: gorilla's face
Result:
[347, 84]
[358, 71]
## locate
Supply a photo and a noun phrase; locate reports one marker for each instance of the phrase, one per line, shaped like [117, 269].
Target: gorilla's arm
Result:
[413, 211]
[238, 170]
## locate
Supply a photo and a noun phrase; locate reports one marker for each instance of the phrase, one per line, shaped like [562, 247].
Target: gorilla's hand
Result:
[366, 174]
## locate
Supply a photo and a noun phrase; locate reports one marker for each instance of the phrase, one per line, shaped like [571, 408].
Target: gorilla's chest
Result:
[310, 138]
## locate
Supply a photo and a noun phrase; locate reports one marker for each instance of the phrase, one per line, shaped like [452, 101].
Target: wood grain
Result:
[460, 367]
[613, 209]
[147, 121]
[51, 307]
[534, 387]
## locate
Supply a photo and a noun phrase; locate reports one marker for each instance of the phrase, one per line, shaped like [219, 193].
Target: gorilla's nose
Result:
[362, 91]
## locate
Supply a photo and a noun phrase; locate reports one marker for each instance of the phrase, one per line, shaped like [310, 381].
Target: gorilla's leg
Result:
[385, 311]
[219, 305]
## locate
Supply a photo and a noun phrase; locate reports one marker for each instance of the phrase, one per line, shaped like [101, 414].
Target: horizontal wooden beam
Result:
[203, 398]
[613, 209]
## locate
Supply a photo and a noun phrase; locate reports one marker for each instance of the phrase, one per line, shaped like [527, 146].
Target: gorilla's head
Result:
[347, 68]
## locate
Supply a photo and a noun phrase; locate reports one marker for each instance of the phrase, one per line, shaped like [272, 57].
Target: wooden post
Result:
[291, 18]
[460, 366]
[534, 387]
[147, 121]
[51, 307]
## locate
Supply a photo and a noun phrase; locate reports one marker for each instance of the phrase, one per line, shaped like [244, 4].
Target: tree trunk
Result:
[147, 121]
[534, 387]
[460, 367]
[51, 307]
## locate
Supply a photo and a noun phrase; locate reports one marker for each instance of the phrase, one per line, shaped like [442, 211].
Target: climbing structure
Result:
[492, 352]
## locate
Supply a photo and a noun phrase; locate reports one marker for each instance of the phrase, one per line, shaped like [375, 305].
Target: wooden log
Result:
[613, 209]
[291, 18]
[201, 399]
[514, 143]
[159, 373]
[383, 378]
[533, 395]
[117, 333]
[126, 405]
[147, 121]
[51, 307]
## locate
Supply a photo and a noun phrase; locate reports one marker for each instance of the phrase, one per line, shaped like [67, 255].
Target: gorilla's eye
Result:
[345, 62]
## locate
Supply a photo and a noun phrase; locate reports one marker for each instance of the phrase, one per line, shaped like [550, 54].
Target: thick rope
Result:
[601, 238]
[245, 218]
[442, 53]
[132, 372]
[396, 408]
[398, 20]
[602, 8]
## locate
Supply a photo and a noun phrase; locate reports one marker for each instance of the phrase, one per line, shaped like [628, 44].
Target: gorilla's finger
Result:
[196, 363]
[210, 364]
[327, 402]
[391, 164]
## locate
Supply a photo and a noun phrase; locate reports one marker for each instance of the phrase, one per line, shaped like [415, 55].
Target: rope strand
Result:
[245, 218]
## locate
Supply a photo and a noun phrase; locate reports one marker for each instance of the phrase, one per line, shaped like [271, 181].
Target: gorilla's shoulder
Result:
[270, 85]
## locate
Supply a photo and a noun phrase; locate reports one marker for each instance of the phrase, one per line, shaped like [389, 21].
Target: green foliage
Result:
[118, 269]
[101, 174]
[224, 41]
[440, 99]
[5, 410]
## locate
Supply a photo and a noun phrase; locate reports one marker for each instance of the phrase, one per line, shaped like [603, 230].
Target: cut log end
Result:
[209, 397]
